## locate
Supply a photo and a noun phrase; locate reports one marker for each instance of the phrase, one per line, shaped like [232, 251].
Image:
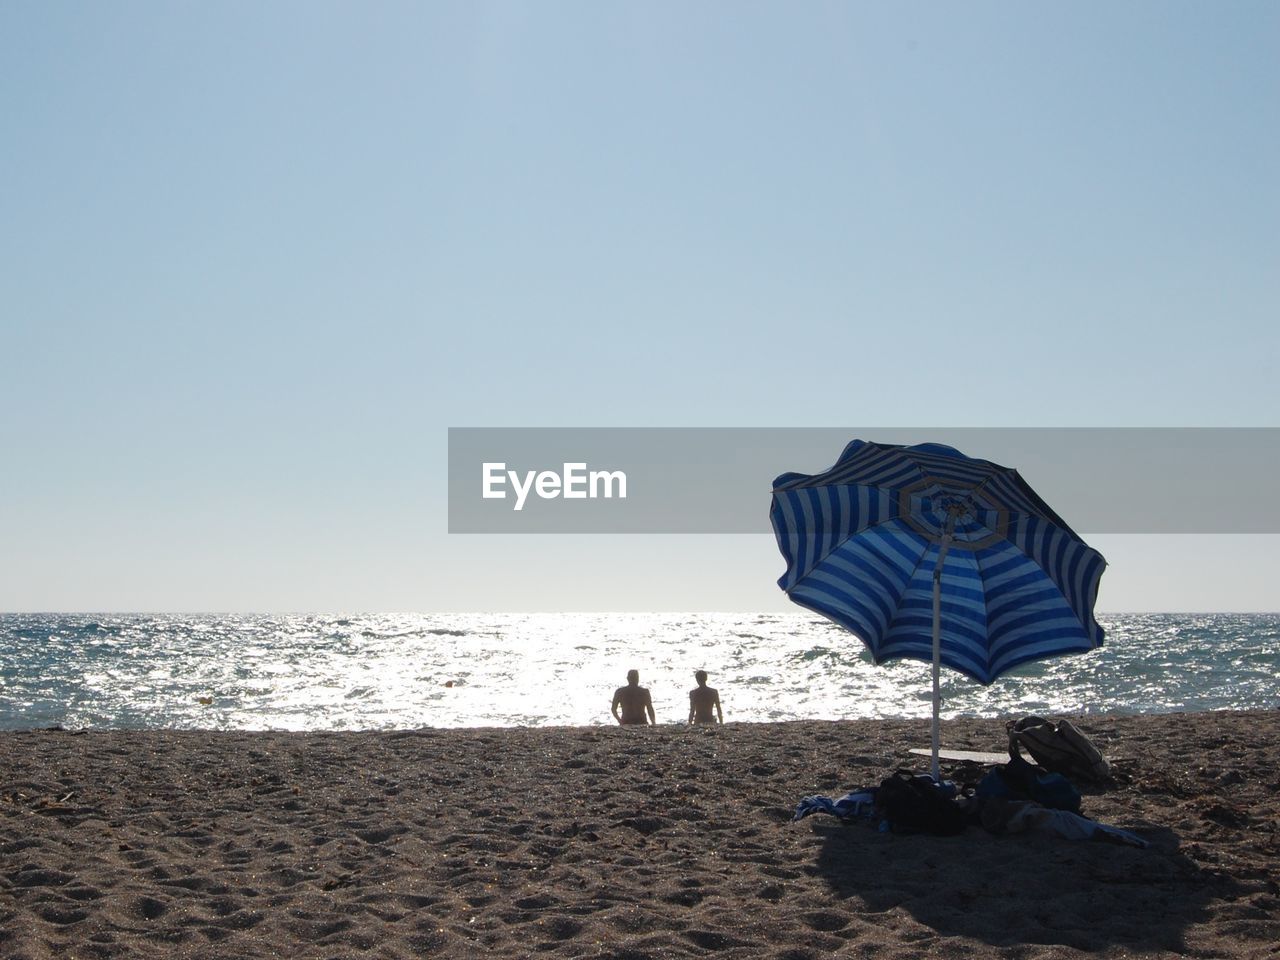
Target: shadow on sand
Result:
[1024, 888]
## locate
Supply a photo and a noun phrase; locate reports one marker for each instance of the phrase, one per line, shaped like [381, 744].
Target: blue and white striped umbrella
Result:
[864, 541]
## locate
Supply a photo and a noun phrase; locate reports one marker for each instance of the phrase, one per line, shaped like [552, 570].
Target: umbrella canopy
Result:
[927, 554]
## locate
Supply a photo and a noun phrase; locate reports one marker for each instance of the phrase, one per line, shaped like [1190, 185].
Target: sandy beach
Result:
[633, 843]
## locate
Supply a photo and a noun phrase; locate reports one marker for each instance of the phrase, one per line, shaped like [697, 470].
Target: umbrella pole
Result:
[935, 769]
[937, 664]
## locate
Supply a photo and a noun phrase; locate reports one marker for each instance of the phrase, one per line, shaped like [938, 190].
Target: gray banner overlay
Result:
[718, 480]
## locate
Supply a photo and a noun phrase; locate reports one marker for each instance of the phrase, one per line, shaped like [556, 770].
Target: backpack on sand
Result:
[1059, 747]
[1019, 780]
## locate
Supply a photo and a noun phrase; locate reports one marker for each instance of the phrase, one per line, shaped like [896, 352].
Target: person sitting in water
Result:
[702, 700]
[634, 701]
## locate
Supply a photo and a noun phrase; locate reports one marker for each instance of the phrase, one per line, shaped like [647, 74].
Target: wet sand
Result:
[631, 843]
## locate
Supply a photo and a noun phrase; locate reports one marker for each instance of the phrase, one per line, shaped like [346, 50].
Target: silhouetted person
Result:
[634, 701]
[702, 700]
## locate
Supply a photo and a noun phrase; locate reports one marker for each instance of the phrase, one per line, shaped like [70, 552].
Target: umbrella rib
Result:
[870, 526]
[910, 579]
[1033, 498]
[1068, 532]
[897, 605]
[986, 606]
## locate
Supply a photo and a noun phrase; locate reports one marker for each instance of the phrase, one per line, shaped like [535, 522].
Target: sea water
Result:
[319, 672]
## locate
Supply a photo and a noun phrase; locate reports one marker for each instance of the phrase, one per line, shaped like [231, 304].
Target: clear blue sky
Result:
[256, 258]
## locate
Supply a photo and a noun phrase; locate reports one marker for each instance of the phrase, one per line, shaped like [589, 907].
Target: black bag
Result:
[918, 804]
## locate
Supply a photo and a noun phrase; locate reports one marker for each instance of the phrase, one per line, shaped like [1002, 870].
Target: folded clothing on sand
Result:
[860, 803]
[1015, 816]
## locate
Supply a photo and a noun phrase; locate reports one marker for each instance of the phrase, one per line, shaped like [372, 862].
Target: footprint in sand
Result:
[33, 876]
[222, 906]
[685, 898]
[713, 940]
[561, 928]
[83, 893]
[149, 908]
[59, 913]
[539, 901]
[825, 922]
